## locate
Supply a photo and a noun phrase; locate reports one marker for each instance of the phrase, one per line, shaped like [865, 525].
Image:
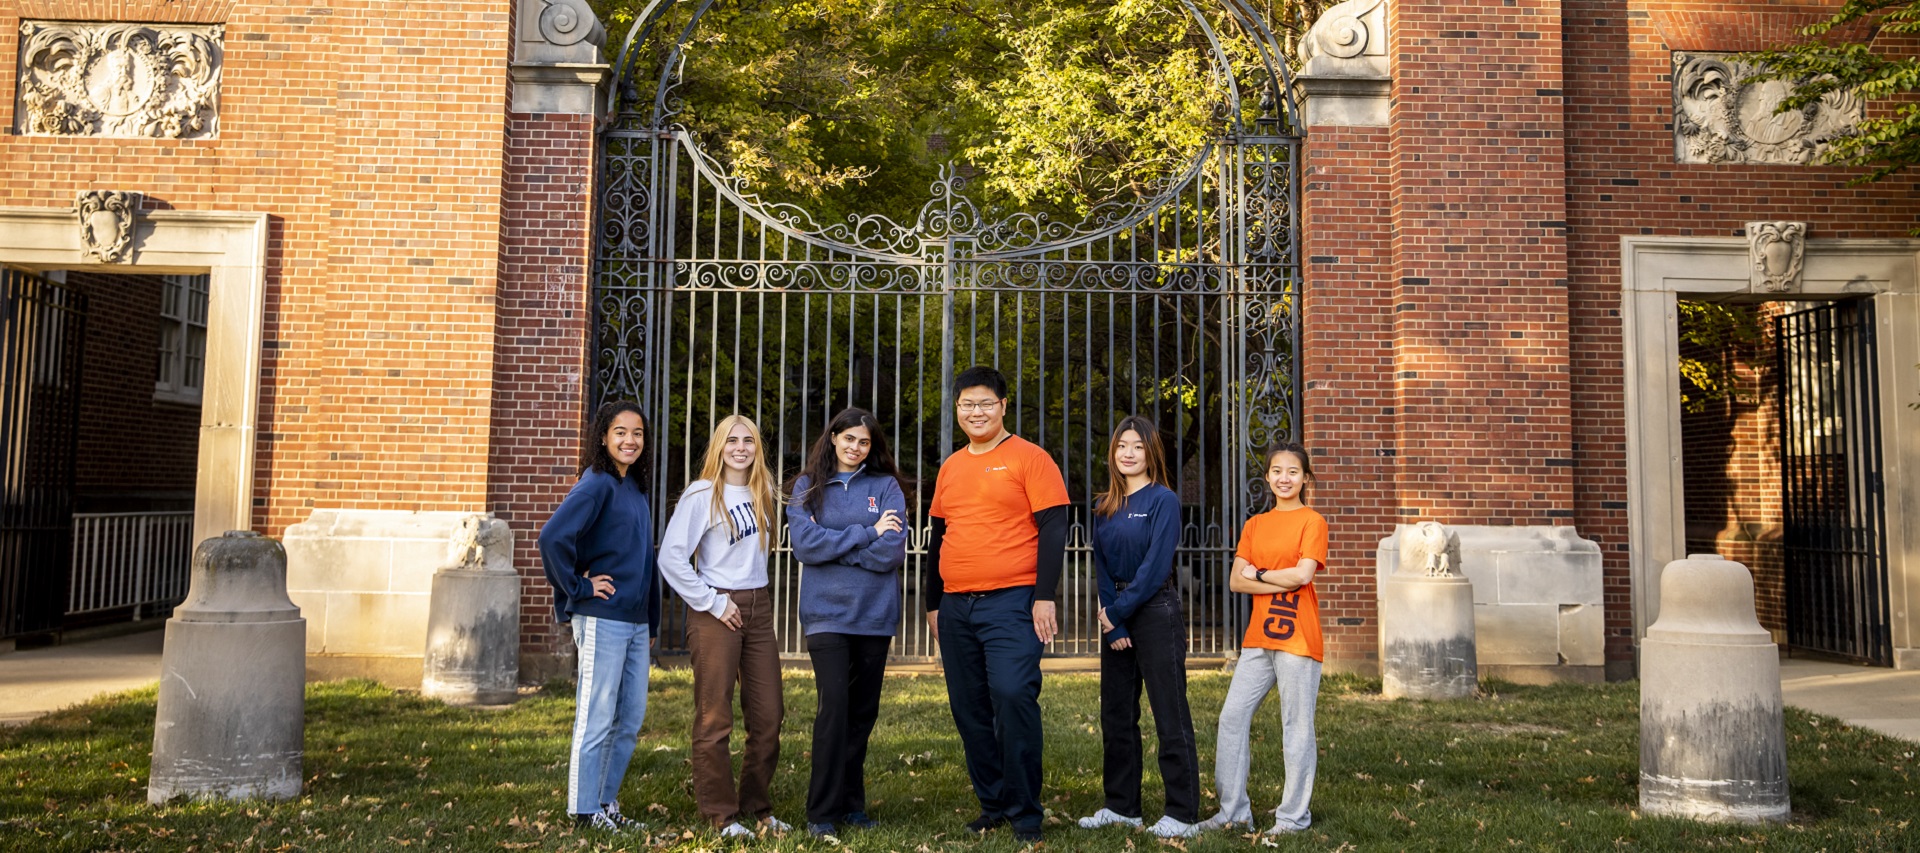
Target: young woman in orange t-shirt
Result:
[1279, 552]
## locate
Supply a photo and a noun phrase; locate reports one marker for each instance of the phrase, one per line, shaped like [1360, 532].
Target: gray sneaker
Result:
[1219, 822]
[1171, 827]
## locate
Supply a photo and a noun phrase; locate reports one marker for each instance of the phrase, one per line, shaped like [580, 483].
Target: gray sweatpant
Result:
[1298, 678]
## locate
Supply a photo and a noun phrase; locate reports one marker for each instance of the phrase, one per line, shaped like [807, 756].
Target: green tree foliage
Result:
[1883, 146]
[854, 106]
[1715, 339]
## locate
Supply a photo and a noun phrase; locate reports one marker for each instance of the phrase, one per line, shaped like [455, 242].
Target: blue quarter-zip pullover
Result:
[1135, 547]
[604, 526]
[850, 582]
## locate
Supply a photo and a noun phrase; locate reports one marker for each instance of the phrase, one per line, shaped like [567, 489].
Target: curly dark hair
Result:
[593, 446]
[821, 464]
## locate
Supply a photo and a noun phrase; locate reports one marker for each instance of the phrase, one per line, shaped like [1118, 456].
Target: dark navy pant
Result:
[992, 659]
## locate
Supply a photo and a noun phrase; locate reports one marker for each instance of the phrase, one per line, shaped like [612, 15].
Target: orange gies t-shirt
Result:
[1288, 621]
[989, 501]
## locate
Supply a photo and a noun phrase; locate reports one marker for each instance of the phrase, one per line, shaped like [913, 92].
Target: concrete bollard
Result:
[1713, 742]
[232, 707]
[1426, 619]
[473, 619]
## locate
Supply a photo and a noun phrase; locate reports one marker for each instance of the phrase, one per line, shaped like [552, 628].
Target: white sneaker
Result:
[775, 824]
[1108, 817]
[1218, 822]
[1171, 827]
[1283, 829]
[736, 829]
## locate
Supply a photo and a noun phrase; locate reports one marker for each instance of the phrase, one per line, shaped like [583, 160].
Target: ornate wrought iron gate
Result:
[41, 333]
[1835, 505]
[1182, 306]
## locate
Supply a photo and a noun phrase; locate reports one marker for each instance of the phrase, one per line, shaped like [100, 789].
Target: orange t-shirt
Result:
[1288, 621]
[988, 502]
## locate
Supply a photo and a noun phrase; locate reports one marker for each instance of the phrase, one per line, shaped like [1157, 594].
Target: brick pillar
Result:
[541, 355]
[1478, 165]
[1347, 341]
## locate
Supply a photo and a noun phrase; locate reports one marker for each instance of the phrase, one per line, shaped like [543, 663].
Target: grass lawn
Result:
[1529, 768]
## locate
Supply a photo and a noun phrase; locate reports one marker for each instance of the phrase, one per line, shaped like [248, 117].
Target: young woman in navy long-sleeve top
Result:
[598, 554]
[847, 518]
[1136, 527]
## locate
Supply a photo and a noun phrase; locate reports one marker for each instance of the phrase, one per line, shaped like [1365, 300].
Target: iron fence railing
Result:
[129, 559]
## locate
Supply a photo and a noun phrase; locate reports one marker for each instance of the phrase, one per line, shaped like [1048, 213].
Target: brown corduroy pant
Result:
[721, 656]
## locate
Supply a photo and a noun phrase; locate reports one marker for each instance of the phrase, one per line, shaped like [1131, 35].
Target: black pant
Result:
[992, 660]
[847, 671]
[1158, 657]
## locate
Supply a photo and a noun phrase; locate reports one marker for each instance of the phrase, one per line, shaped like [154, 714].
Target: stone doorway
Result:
[1658, 274]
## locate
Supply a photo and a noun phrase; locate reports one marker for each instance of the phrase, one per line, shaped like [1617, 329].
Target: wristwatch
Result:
[1260, 575]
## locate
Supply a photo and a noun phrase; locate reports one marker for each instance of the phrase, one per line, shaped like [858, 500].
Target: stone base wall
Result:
[1538, 614]
[363, 580]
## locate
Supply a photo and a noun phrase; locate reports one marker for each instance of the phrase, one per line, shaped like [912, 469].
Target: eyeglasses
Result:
[970, 406]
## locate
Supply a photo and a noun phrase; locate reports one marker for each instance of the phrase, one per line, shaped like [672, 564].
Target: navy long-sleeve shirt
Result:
[604, 526]
[1135, 547]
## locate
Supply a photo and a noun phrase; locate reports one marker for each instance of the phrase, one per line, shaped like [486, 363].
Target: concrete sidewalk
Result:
[1884, 700]
[36, 681]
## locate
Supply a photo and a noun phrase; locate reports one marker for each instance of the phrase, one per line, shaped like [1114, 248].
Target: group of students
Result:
[994, 559]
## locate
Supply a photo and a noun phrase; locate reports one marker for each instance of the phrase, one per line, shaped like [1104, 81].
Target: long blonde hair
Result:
[759, 479]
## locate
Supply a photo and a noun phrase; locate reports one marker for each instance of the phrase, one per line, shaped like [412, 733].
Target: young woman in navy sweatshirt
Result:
[598, 554]
[1136, 527]
[848, 522]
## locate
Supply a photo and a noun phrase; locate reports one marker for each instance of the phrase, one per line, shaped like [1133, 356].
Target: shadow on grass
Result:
[1521, 767]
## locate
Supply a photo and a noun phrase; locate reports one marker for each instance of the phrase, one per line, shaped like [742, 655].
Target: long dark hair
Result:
[593, 446]
[1115, 496]
[821, 466]
[1306, 467]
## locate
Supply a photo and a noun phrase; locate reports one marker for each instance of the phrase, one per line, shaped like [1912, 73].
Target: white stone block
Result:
[360, 623]
[1517, 634]
[1548, 577]
[1583, 634]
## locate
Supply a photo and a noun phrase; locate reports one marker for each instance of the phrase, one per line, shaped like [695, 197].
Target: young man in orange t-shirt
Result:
[993, 567]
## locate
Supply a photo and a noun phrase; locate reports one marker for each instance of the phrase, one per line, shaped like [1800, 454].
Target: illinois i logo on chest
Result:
[873, 505]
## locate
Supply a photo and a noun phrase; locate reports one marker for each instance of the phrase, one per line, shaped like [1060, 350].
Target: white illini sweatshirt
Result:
[700, 551]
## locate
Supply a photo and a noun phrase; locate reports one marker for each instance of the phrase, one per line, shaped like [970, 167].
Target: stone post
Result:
[232, 707]
[1426, 619]
[473, 619]
[1713, 743]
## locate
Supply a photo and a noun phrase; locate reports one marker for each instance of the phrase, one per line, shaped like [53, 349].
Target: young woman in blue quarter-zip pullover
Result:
[1136, 527]
[598, 554]
[848, 520]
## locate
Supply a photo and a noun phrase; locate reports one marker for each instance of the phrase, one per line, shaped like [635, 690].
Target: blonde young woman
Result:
[714, 554]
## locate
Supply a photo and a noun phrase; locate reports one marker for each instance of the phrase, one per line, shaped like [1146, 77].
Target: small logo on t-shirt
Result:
[873, 505]
[1136, 515]
[991, 469]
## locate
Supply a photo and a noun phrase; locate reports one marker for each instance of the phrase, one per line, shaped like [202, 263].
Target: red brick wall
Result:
[1730, 452]
[372, 133]
[539, 379]
[1349, 398]
[128, 444]
[1622, 180]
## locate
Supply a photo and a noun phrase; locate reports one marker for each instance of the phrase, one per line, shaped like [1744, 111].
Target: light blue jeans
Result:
[609, 705]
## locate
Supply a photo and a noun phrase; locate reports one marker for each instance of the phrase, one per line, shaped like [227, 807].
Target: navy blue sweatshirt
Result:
[1135, 547]
[603, 527]
[849, 583]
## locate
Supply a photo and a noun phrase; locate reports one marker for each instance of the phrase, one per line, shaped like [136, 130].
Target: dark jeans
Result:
[847, 671]
[992, 660]
[1157, 658]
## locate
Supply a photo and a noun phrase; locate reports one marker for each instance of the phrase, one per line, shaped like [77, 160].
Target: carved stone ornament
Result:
[558, 32]
[1429, 549]
[1348, 40]
[106, 223]
[118, 79]
[1777, 254]
[1720, 117]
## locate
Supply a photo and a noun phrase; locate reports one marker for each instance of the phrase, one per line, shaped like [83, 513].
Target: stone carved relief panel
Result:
[1776, 254]
[1721, 116]
[119, 79]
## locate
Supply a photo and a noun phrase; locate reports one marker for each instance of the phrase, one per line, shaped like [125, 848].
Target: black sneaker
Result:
[819, 830]
[598, 821]
[981, 824]
[859, 820]
[621, 822]
[1027, 835]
